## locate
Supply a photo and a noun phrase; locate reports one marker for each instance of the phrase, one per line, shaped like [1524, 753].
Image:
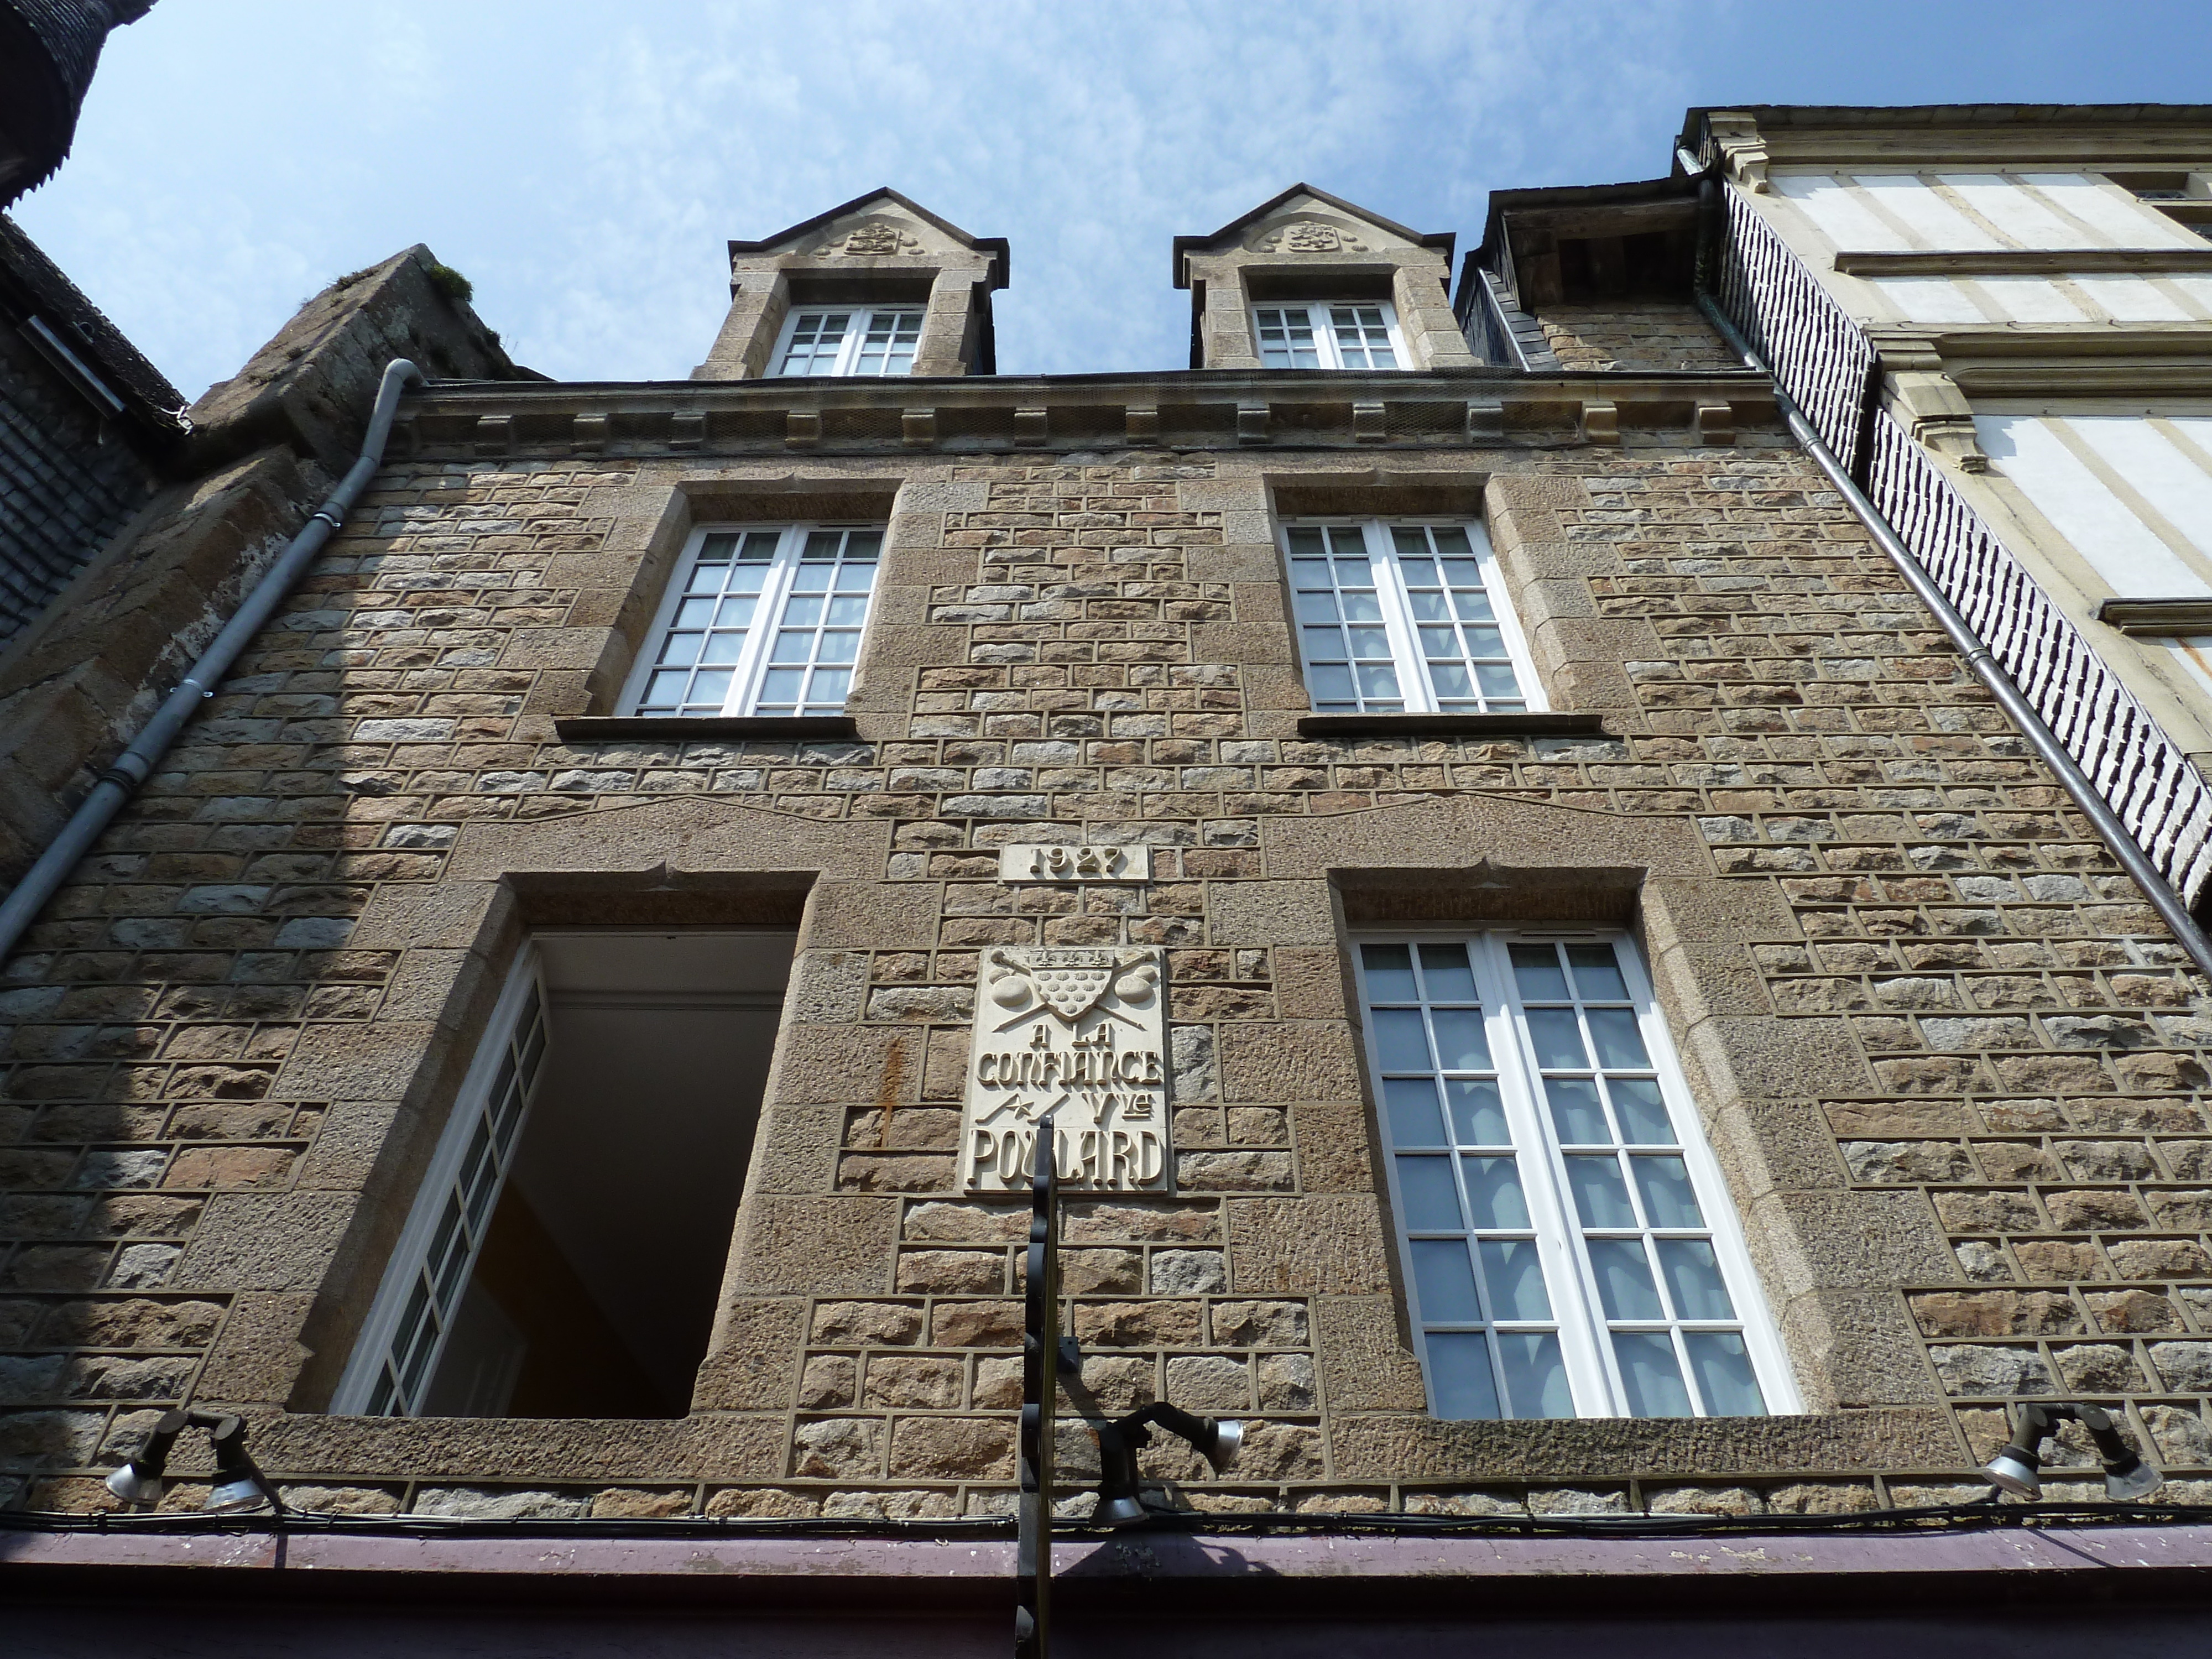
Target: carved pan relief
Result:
[872, 236]
[1080, 1034]
[1308, 236]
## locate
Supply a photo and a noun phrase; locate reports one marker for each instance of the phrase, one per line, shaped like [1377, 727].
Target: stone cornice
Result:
[1198, 410]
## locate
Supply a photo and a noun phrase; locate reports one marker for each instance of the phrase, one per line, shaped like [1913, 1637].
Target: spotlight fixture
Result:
[1216, 1439]
[239, 1482]
[2018, 1468]
[139, 1482]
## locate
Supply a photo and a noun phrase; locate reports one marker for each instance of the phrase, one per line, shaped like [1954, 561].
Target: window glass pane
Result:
[1624, 1279]
[1724, 1374]
[1445, 974]
[1415, 1119]
[1445, 1279]
[1515, 1279]
[816, 336]
[1399, 1041]
[710, 689]
[780, 689]
[1306, 539]
[1556, 1038]
[1642, 1112]
[1535, 1374]
[1649, 1374]
[1462, 1045]
[1577, 1117]
[1389, 972]
[1432, 1205]
[1693, 1279]
[1378, 687]
[1601, 1195]
[1460, 1381]
[1597, 973]
[1477, 1114]
[1493, 1192]
[1613, 1034]
[1664, 1184]
[1537, 973]
[829, 688]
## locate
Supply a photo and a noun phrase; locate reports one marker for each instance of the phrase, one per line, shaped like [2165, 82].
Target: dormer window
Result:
[1355, 334]
[849, 340]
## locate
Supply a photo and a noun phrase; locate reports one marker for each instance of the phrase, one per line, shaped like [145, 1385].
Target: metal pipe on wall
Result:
[129, 769]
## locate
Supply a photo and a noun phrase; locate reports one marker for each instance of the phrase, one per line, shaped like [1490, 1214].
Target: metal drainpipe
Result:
[2102, 819]
[135, 764]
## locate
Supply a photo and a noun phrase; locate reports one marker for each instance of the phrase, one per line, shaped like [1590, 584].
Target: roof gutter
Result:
[2105, 822]
[129, 769]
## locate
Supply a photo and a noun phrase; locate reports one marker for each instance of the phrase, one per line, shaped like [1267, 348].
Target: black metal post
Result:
[1040, 1387]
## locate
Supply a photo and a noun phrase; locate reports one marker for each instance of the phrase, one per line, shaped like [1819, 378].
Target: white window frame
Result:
[858, 321]
[754, 658]
[396, 1323]
[1591, 1367]
[1323, 329]
[1417, 693]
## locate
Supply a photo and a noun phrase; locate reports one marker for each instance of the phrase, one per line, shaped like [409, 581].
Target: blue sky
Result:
[583, 163]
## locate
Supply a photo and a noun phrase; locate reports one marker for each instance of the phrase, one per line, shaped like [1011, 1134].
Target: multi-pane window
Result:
[762, 620]
[1569, 1250]
[1360, 334]
[1405, 618]
[393, 1364]
[849, 340]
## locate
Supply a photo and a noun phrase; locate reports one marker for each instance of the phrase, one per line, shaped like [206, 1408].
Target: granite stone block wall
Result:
[1953, 1068]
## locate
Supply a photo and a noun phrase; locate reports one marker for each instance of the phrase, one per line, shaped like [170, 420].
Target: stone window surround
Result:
[641, 558]
[1230, 294]
[1831, 1260]
[949, 292]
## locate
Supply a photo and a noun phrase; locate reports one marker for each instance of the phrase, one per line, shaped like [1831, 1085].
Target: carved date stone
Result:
[1079, 1032]
[1030, 862]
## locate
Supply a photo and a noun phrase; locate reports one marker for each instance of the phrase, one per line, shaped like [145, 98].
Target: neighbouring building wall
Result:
[1951, 1068]
[127, 613]
[1653, 334]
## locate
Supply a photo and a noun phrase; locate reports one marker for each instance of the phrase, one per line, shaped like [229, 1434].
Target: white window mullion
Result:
[1589, 1369]
[1398, 620]
[745, 682]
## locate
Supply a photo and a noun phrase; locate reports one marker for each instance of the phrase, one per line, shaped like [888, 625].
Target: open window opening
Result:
[565, 1254]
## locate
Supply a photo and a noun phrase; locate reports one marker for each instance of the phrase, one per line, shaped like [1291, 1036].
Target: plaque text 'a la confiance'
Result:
[1081, 1033]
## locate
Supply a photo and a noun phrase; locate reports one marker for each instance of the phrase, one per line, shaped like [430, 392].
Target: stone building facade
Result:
[1948, 1064]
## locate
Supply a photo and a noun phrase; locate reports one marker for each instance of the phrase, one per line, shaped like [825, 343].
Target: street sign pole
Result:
[1040, 1386]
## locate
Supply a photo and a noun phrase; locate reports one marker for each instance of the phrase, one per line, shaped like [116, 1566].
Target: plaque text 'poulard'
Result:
[1080, 1033]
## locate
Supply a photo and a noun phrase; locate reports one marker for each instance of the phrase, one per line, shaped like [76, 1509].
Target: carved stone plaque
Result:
[1084, 863]
[1079, 1032]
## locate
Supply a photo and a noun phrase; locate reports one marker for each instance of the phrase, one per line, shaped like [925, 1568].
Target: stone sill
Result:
[654, 728]
[1452, 725]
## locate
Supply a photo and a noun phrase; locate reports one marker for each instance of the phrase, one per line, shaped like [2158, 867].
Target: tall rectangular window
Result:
[1570, 1249]
[565, 1254]
[1406, 618]
[849, 340]
[759, 621]
[1359, 334]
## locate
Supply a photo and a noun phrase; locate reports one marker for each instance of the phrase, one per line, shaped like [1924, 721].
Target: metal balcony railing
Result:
[1824, 361]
